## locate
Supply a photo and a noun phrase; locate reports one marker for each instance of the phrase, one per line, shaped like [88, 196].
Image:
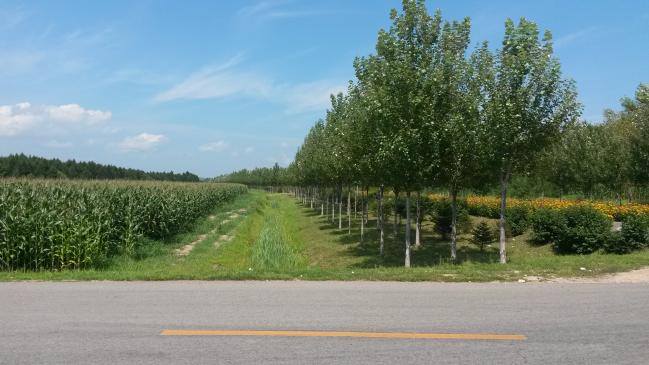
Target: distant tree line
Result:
[260, 177]
[21, 165]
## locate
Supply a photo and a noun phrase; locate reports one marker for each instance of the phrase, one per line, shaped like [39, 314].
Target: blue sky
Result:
[213, 86]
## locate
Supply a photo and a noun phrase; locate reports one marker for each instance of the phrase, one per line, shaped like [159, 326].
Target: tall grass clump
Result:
[272, 251]
[61, 224]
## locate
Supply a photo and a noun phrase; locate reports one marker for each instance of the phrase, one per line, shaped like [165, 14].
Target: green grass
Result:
[279, 239]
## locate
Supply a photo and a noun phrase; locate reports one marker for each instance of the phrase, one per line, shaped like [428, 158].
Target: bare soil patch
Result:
[633, 276]
[186, 249]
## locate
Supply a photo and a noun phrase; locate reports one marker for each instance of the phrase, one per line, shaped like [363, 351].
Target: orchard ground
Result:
[263, 236]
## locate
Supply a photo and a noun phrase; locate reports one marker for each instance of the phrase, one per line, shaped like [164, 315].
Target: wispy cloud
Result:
[310, 95]
[277, 9]
[50, 52]
[575, 36]
[142, 142]
[23, 118]
[138, 76]
[20, 60]
[58, 144]
[10, 18]
[229, 79]
[217, 146]
[217, 81]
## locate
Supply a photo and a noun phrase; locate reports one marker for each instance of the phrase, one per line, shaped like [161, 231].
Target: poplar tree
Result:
[530, 103]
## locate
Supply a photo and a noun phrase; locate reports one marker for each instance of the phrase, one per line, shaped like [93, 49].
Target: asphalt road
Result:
[121, 322]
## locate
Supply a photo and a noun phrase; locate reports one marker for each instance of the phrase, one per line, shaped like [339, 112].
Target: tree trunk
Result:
[321, 208]
[501, 223]
[327, 206]
[340, 208]
[362, 216]
[453, 224]
[333, 208]
[418, 222]
[355, 201]
[379, 219]
[366, 205]
[396, 215]
[378, 200]
[349, 211]
[407, 263]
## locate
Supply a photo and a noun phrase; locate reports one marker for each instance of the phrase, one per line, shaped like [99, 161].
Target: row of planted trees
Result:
[426, 110]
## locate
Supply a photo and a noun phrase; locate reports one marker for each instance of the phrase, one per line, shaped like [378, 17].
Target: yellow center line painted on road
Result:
[401, 335]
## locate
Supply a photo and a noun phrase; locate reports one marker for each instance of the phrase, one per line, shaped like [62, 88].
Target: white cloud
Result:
[142, 142]
[24, 117]
[214, 146]
[249, 149]
[16, 119]
[226, 80]
[75, 113]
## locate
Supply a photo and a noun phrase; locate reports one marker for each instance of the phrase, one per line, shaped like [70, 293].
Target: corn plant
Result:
[60, 224]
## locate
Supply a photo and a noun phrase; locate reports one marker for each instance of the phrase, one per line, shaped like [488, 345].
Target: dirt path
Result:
[186, 249]
[633, 276]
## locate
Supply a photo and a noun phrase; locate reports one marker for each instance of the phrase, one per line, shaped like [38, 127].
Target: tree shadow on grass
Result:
[434, 250]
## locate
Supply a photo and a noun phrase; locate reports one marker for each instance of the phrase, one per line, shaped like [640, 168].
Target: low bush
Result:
[584, 230]
[546, 225]
[517, 220]
[634, 235]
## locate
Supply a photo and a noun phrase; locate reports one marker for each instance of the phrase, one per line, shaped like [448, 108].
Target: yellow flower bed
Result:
[492, 204]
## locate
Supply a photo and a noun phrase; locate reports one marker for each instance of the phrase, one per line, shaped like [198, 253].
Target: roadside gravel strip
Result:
[633, 276]
[122, 322]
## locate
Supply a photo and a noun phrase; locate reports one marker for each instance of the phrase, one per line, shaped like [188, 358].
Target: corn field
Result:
[60, 224]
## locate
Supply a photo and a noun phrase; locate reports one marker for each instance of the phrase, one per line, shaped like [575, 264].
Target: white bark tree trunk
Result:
[396, 215]
[501, 224]
[340, 209]
[366, 205]
[362, 216]
[379, 219]
[327, 206]
[349, 211]
[453, 224]
[407, 261]
[418, 222]
[355, 202]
